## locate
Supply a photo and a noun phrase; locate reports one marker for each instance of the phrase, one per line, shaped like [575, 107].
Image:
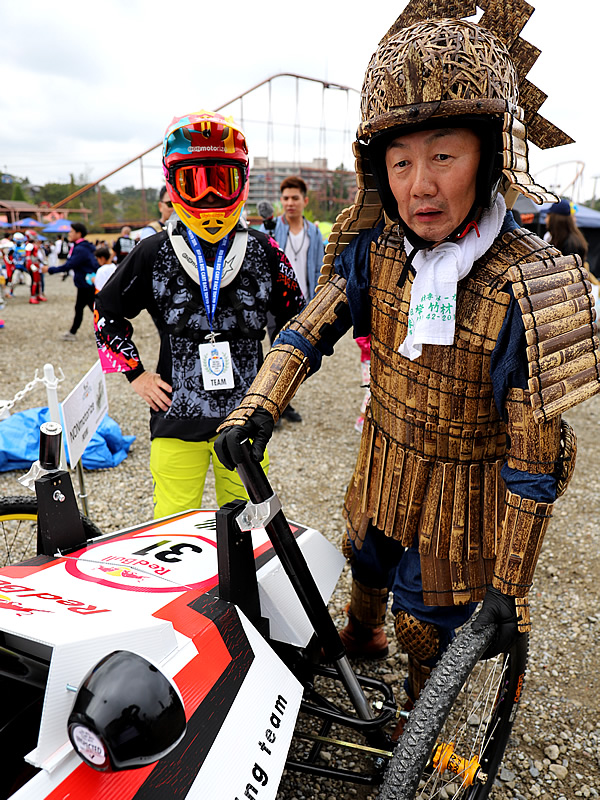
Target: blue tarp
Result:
[20, 442]
[584, 217]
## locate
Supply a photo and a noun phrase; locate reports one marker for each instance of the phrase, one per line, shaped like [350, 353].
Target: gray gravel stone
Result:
[552, 752]
[558, 770]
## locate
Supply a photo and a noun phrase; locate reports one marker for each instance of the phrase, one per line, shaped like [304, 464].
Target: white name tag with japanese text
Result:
[217, 372]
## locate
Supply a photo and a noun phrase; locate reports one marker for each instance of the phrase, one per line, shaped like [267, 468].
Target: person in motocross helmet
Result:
[18, 260]
[462, 453]
[206, 167]
[208, 283]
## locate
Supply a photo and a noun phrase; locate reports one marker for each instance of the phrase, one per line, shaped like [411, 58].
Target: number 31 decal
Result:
[172, 554]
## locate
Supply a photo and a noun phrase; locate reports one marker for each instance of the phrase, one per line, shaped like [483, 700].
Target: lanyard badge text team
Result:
[215, 357]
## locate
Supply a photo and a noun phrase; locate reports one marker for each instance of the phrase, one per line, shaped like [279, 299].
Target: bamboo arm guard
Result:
[284, 369]
[523, 529]
[535, 449]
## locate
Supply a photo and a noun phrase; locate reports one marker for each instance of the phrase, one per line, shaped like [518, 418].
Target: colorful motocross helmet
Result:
[205, 161]
[19, 238]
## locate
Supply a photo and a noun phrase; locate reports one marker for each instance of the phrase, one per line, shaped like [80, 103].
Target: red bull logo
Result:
[119, 572]
[7, 604]
[75, 606]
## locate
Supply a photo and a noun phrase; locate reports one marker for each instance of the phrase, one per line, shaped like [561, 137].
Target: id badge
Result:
[217, 372]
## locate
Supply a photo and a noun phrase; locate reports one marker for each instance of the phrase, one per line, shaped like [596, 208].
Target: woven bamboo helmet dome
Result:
[436, 68]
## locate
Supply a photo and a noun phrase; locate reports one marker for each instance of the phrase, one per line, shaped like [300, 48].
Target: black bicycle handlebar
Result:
[286, 547]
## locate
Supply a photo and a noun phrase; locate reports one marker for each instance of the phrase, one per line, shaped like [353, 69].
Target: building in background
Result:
[329, 189]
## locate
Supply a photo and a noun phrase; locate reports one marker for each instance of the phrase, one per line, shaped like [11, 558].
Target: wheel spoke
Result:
[470, 727]
[18, 539]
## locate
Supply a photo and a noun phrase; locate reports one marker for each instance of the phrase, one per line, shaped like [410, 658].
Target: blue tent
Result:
[587, 219]
[28, 222]
[584, 217]
[58, 226]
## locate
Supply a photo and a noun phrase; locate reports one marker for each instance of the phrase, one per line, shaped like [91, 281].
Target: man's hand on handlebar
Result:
[258, 427]
[499, 609]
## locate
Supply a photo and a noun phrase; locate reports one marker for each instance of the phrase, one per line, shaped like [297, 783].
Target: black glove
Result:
[499, 609]
[258, 428]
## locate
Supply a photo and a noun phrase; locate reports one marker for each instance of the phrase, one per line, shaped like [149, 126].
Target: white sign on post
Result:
[82, 412]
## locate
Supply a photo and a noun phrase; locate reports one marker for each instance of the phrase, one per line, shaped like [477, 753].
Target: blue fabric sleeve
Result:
[508, 364]
[296, 339]
[541, 488]
[353, 265]
[62, 268]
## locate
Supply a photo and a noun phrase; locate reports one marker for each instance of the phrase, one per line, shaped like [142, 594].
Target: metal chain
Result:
[6, 405]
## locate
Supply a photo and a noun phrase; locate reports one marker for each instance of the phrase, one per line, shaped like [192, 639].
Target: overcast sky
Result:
[86, 87]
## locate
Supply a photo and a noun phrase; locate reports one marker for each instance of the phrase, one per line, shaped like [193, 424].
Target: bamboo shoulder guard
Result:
[563, 349]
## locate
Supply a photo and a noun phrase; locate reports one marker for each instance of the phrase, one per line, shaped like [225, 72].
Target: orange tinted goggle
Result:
[194, 182]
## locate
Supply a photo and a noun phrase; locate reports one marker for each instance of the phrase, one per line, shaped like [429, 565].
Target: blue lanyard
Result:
[210, 295]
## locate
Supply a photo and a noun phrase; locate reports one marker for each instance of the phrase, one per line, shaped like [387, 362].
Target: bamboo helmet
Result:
[434, 69]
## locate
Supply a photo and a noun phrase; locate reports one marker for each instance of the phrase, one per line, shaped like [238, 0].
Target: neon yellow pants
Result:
[179, 472]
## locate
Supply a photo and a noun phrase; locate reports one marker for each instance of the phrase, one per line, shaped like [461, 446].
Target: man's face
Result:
[294, 203]
[165, 207]
[72, 235]
[125, 231]
[432, 176]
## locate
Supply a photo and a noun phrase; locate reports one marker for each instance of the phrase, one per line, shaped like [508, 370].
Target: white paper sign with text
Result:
[82, 412]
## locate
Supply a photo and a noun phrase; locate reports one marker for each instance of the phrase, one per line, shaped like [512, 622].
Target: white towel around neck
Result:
[432, 312]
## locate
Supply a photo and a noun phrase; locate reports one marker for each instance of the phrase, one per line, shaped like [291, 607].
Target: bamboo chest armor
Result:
[433, 443]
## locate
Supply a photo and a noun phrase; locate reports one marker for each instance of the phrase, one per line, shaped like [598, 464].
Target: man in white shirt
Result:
[302, 243]
[300, 239]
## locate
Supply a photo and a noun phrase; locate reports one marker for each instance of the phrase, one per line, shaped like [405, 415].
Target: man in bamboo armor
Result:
[481, 336]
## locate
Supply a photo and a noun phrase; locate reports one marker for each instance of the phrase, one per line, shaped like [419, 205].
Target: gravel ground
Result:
[555, 748]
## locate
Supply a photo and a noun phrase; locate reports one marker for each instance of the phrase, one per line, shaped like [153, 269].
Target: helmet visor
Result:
[209, 184]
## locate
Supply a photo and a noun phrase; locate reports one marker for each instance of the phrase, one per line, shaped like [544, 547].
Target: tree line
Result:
[123, 205]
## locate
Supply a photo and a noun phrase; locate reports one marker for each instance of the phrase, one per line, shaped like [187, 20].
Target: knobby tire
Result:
[451, 709]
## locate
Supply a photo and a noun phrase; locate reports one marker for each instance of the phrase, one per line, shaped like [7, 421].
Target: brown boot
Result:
[362, 641]
[363, 636]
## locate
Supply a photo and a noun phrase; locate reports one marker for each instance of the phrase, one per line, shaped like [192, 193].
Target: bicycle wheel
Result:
[456, 735]
[18, 529]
